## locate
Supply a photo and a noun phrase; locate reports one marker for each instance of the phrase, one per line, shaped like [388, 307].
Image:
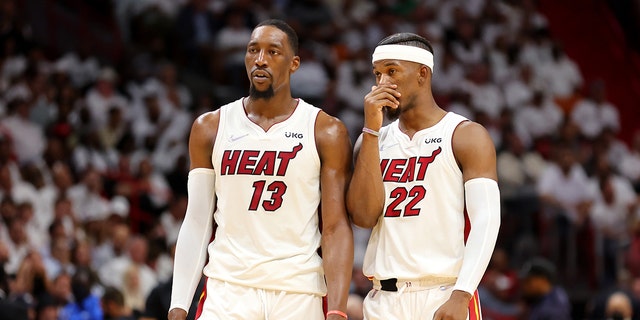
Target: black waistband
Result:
[389, 284]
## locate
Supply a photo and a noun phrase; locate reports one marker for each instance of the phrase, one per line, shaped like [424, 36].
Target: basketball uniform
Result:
[419, 238]
[268, 191]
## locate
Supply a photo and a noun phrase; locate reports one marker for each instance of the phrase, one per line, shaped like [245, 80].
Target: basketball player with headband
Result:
[430, 183]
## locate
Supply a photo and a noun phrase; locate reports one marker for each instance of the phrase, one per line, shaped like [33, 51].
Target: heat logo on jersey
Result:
[256, 162]
[407, 170]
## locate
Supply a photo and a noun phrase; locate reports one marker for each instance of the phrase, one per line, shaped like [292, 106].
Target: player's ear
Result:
[424, 74]
[295, 64]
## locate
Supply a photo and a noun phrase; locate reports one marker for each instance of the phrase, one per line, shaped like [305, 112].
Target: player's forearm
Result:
[193, 238]
[483, 205]
[337, 260]
[365, 197]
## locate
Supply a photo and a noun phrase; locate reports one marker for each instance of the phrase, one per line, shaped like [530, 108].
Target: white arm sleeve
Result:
[193, 238]
[482, 198]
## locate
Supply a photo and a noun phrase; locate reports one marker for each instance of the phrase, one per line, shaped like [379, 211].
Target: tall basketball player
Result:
[419, 174]
[260, 167]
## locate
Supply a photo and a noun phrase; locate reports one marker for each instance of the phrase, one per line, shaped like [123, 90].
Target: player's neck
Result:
[267, 112]
[276, 106]
[426, 114]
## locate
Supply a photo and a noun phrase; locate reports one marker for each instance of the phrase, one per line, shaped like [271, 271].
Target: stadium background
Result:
[97, 98]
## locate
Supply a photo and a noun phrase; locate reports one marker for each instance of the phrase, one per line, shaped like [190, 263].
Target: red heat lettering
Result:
[404, 170]
[229, 162]
[248, 161]
[285, 157]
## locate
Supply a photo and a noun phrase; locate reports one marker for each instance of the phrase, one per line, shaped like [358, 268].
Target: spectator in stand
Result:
[113, 306]
[518, 172]
[171, 219]
[231, 44]
[114, 129]
[28, 138]
[112, 248]
[485, 95]
[537, 120]
[133, 264]
[519, 91]
[561, 75]
[103, 95]
[615, 202]
[563, 191]
[544, 298]
[448, 75]
[311, 81]
[134, 296]
[629, 164]
[498, 289]
[195, 28]
[89, 203]
[92, 153]
[84, 305]
[18, 243]
[466, 45]
[594, 113]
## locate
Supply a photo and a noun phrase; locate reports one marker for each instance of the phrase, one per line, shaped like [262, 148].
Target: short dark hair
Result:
[539, 268]
[407, 39]
[284, 27]
[114, 295]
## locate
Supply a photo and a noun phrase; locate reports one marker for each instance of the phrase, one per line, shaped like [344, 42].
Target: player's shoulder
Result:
[471, 135]
[206, 125]
[208, 118]
[329, 125]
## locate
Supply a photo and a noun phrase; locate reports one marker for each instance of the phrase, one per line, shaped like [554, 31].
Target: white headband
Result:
[401, 52]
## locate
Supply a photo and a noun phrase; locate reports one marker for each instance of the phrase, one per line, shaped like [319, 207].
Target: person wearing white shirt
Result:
[538, 119]
[629, 165]
[485, 95]
[28, 138]
[594, 113]
[615, 202]
[561, 75]
[563, 190]
[519, 91]
[171, 219]
[448, 75]
[102, 96]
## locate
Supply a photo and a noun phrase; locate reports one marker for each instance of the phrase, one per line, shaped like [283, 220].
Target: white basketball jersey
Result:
[268, 192]
[421, 230]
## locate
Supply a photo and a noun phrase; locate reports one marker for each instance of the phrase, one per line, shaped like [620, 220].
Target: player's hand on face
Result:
[382, 95]
[456, 308]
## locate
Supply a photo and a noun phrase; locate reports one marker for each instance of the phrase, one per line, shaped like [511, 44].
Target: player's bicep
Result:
[474, 151]
[201, 139]
[334, 149]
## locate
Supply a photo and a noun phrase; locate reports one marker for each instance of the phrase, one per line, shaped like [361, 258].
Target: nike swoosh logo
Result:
[385, 147]
[233, 138]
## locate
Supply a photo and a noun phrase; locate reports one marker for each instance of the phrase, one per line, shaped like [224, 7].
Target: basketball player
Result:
[262, 165]
[419, 174]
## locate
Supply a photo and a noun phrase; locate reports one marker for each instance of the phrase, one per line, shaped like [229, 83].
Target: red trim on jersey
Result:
[203, 297]
[467, 225]
[475, 312]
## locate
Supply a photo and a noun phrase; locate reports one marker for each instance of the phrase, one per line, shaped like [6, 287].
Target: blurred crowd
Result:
[93, 152]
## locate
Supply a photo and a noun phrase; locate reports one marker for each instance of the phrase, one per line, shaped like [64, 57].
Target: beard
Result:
[264, 94]
[394, 114]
